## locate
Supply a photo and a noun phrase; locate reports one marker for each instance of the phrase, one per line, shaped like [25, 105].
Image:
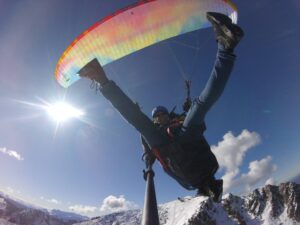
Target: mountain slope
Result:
[296, 179]
[269, 205]
[13, 212]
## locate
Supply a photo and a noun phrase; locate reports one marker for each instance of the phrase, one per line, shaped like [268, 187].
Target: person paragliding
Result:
[180, 147]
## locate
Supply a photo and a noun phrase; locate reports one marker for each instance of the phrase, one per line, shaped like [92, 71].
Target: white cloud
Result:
[109, 205]
[11, 153]
[83, 209]
[258, 171]
[271, 181]
[12, 191]
[52, 201]
[231, 152]
[115, 204]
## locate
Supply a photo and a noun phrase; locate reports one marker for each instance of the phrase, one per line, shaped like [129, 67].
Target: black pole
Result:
[150, 212]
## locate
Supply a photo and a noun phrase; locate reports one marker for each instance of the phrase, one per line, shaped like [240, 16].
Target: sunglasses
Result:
[159, 114]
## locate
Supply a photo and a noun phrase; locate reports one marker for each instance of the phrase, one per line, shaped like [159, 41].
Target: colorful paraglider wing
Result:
[136, 27]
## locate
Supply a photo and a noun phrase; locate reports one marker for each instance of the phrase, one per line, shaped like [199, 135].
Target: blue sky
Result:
[96, 167]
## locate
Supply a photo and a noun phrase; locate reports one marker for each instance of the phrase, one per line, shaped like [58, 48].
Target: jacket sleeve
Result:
[132, 113]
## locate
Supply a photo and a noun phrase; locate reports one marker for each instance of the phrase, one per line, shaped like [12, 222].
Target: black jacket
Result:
[187, 157]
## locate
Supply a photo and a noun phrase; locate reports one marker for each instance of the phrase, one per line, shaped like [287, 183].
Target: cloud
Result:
[11, 153]
[259, 170]
[110, 204]
[83, 209]
[271, 181]
[115, 204]
[52, 201]
[231, 152]
[12, 191]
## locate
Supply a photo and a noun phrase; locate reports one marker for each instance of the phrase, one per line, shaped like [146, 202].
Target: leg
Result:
[228, 36]
[213, 89]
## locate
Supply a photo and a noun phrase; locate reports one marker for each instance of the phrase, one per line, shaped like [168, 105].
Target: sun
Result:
[62, 111]
[59, 111]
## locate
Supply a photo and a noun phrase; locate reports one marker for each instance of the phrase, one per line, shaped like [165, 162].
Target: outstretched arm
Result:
[129, 110]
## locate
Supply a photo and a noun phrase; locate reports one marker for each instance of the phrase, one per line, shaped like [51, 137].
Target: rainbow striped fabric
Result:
[134, 28]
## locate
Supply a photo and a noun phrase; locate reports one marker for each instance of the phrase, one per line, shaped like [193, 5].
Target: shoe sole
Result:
[213, 19]
[224, 26]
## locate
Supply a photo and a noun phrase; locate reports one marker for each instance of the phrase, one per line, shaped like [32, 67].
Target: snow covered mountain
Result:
[14, 212]
[270, 205]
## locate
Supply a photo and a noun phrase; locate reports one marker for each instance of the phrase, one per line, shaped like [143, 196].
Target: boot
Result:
[227, 33]
[203, 190]
[94, 71]
[216, 190]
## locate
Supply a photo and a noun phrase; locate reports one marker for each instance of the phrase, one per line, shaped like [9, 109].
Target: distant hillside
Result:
[13, 212]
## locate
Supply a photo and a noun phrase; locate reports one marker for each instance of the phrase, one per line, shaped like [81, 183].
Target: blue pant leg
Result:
[213, 89]
[131, 112]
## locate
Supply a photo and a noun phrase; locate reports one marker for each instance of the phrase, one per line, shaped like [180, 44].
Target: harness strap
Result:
[158, 156]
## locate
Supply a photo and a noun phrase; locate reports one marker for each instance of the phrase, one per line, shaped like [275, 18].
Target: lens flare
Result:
[62, 111]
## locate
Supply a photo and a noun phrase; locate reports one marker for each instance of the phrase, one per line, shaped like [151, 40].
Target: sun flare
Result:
[62, 111]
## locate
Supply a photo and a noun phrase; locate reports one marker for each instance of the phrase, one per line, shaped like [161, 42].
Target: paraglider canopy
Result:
[136, 27]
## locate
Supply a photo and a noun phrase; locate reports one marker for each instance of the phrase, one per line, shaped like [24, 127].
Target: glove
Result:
[187, 104]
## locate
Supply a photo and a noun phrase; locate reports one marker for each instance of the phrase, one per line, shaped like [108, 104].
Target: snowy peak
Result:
[197, 210]
[14, 212]
[130, 217]
[276, 201]
[270, 205]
